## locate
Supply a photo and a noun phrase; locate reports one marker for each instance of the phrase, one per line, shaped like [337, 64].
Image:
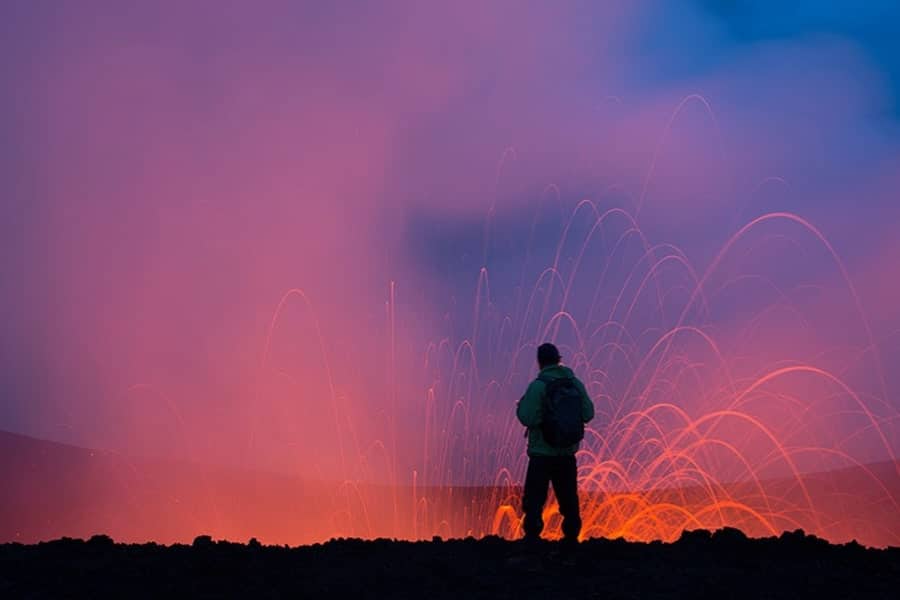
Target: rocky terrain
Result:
[723, 564]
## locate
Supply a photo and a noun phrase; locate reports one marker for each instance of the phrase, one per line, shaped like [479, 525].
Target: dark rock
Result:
[725, 563]
[101, 540]
[729, 535]
[695, 536]
[798, 535]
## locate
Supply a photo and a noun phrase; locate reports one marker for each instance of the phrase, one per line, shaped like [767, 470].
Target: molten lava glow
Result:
[696, 427]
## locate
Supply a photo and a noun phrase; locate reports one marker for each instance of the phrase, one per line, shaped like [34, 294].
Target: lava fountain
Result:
[738, 395]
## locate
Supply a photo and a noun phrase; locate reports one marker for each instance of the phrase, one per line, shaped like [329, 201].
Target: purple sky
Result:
[171, 169]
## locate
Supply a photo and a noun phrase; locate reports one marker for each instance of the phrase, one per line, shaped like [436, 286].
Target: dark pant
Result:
[562, 472]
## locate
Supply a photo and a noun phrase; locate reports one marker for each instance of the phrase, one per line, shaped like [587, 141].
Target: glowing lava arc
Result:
[698, 426]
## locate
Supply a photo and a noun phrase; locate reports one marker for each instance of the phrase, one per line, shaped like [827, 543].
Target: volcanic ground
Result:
[723, 564]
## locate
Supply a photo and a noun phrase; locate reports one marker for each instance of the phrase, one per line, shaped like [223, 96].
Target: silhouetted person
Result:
[555, 408]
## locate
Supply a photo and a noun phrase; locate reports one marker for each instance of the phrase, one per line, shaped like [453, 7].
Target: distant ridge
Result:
[54, 490]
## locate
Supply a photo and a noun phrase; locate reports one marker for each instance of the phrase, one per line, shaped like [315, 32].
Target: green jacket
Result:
[530, 406]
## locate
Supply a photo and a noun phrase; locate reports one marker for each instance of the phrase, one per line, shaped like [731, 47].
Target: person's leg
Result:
[537, 478]
[564, 476]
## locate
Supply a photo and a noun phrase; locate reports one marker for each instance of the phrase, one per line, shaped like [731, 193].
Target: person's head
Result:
[547, 355]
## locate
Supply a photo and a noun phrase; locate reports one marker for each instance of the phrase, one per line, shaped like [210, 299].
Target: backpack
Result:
[561, 422]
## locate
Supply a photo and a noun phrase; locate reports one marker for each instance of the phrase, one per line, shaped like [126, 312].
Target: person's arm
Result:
[529, 408]
[587, 406]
